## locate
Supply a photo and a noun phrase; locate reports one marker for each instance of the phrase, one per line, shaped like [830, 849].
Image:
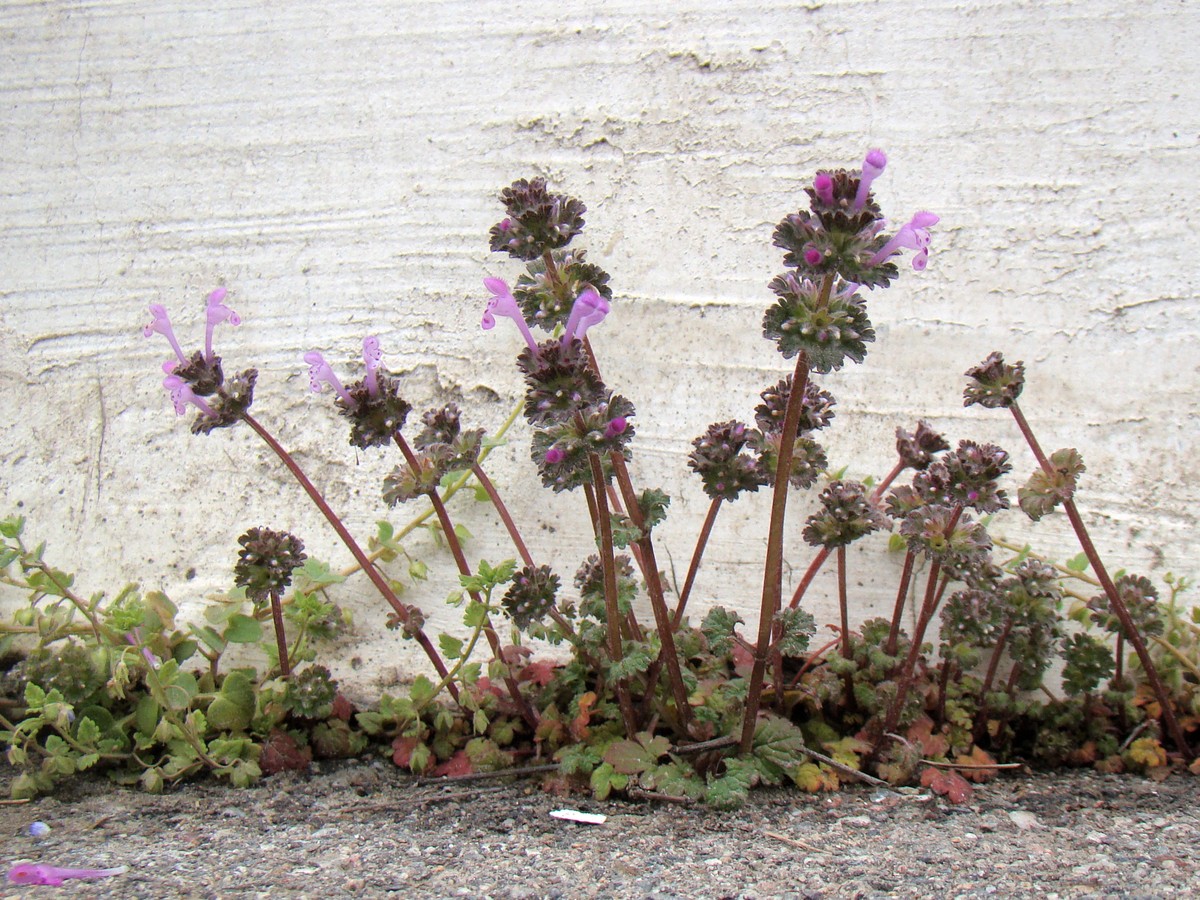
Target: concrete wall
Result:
[335, 165]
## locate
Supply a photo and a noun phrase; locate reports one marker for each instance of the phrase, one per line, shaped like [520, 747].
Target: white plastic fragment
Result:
[574, 815]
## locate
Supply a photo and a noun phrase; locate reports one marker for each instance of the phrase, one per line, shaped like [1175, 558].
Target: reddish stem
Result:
[1110, 590]
[460, 560]
[910, 560]
[701, 542]
[364, 562]
[773, 566]
[609, 566]
[806, 582]
[285, 664]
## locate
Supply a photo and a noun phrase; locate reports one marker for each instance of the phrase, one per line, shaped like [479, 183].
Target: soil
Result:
[364, 829]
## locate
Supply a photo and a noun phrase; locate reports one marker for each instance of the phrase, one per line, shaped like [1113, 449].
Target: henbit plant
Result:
[676, 711]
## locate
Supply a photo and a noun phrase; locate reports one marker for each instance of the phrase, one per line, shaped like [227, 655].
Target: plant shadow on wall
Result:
[675, 708]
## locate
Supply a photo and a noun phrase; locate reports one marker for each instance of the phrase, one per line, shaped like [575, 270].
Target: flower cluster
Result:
[537, 221]
[373, 404]
[837, 246]
[995, 384]
[718, 459]
[266, 562]
[573, 412]
[846, 514]
[199, 380]
[441, 447]
[531, 595]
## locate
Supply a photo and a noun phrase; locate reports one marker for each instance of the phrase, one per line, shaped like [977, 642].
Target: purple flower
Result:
[913, 235]
[823, 188]
[554, 456]
[217, 313]
[813, 256]
[372, 356]
[615, 427]
[182, 395]
[320, 374]
[161, 324]
[589, 309]
[503, 303]
[872, 168]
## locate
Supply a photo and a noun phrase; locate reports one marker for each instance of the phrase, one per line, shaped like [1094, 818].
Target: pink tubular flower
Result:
[503, 303]
[823, 188]
[872, 168]
[913, 235]
[217, 313]
[182, 394]
[320, 374]
[372, 356]
[615, 427]
[160, 323]
[589, 309]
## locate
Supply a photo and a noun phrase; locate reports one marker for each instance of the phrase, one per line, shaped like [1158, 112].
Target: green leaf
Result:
[635, 661]
[315, 574]
[181, 689]
[639, 755]
[147, 714]
[242, 629]
[604, 780]
[1078, 563]
[474, 615]
[718, 627]
[421, 691]
[86, 731]
[417, 570]
[210, 638]
[35, 697]
[480, 721]
[451, 646]
[12, 526]
[233, 708]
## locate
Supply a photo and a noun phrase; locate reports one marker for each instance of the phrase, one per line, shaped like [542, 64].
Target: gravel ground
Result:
[365, 830]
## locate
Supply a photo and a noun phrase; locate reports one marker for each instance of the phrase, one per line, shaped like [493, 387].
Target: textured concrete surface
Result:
[335, 165]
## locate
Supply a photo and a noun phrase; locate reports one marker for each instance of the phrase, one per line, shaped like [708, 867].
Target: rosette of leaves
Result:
[808, 459]
[266, 561]
[1044, 491]
[310, 693]
[443, 432]
[1032, 598]
[836, 239]
[846, 514]
[67, 667]
[916, 450]
[946, 535]
[531, 595]
[537, 220]
[718, 459]
[407, 482]
[1141, 599]
[589, 581]
[375, 418]
[994, 383]
[1086, 662]
[547, 301]
[966, 478]
[559, 381]
[829, 330]
[972, 620]
[561, 450]
[816, 410]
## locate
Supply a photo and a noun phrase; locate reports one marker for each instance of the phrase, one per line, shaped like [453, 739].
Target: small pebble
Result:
[38, 829]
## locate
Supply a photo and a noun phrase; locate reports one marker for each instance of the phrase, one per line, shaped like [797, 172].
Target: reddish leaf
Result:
[402, 750]
[579, 725]
[947, 783]
[743, 660]
[932, 745]
[979, 762]
[540, 672]
[342, 708]
[281, 753]
[458, 764]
